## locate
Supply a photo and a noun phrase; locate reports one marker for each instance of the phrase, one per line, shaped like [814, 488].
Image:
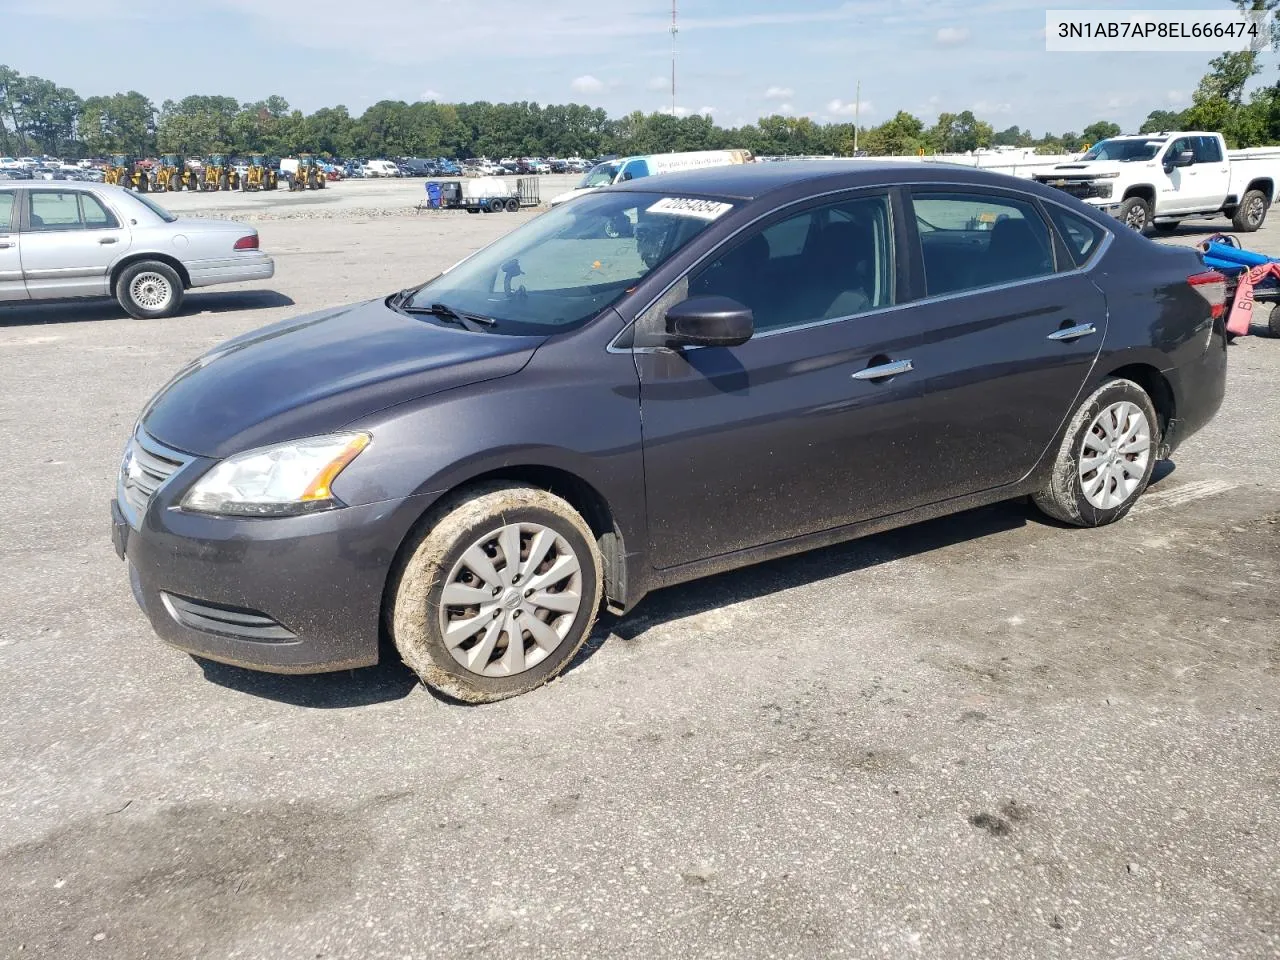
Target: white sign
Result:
[689, 207]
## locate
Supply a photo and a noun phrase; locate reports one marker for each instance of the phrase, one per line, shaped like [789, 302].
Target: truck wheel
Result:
[499, 593]
[513, 205]
[1251, 212]
[1273, 320]
[1135, 213]
[149, 290]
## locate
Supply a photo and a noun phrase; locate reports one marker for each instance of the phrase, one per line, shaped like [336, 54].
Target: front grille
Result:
[146, 466]
[228, 621]
[1082, 189]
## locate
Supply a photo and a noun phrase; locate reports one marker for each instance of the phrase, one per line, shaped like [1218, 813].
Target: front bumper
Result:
[288, 595]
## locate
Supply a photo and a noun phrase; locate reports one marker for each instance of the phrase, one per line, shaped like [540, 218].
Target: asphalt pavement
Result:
[987, 736]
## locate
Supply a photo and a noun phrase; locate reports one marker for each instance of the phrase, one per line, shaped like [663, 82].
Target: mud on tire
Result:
[417, 610]
[1063, 497]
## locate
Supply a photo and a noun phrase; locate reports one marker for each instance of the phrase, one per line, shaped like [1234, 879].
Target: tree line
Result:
[38, 116]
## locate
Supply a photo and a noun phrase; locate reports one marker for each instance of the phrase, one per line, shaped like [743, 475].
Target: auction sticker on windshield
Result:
[689, 207]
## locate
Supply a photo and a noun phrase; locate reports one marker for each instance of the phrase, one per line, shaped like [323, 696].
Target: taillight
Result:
[247, 243]
[1213, 287]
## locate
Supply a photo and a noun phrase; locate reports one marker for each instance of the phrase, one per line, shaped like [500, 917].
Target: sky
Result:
[737, 60]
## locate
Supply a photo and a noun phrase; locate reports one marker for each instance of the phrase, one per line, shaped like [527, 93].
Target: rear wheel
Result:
[149, 290]
[1273, 321]
[513, 205]
[498, 595]
[1251, 212]
[1106, 458]
[1135, 213]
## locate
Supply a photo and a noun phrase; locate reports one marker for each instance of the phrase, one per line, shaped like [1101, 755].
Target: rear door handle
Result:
[107, 240]
[5, 244]
[884, 370]
[1074, 333]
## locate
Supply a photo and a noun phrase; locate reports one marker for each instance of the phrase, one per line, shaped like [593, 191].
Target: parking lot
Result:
[984, 736]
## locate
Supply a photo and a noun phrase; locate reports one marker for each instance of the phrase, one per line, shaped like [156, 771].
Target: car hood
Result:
[570, 194]
[315, 374]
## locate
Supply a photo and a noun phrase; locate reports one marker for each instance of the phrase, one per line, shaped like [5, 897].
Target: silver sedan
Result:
[60, 240]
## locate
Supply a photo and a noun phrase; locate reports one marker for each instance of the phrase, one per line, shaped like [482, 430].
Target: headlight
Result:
[278, 481]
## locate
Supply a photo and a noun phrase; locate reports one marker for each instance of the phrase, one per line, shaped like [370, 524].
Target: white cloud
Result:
[429, 95]
[706, 111]
[988, 107]
[786, 108]
[587, 84]
[677, 111]
[841, 108]
[779, 93]
[952, 36]
[659, 83]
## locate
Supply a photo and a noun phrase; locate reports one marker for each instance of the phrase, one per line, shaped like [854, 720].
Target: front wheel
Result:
[498, 595]
[149, 290]
[1251, 212]
[1135, 213]
[1106, 458]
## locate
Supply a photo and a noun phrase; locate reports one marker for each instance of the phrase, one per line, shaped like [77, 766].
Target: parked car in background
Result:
[635, 168]
[381, 168]
[805, 328]
[82, 240]
[1159, 179]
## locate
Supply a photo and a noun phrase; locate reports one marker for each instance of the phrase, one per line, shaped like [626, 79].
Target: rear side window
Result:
[1080, 235]
[6, 210]
[95, 215]
[1208, 150]
[54, 211]
[970, 241]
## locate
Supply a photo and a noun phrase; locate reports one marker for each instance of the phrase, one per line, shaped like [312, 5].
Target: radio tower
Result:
[674, 31]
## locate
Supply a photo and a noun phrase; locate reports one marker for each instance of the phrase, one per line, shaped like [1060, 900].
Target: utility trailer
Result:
[483, 195]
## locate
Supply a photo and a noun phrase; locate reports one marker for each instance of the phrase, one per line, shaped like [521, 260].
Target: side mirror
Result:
[709, 322]
[1184, 159]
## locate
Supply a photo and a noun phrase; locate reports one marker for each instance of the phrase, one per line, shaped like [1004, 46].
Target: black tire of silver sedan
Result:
[1135, 213]
[149, 290]
[1106, 458]
[498, 595]
[1251, 213]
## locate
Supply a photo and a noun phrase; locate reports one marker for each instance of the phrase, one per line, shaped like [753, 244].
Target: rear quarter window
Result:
[1082, 237]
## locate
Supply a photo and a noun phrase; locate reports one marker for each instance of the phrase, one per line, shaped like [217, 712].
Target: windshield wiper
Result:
[468, 321]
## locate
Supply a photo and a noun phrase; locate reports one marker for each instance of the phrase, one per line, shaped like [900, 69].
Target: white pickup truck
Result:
[1159, 179]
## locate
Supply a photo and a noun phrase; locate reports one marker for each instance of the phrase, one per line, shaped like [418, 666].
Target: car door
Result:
[804, 427]
[1007, 331]
[12, 286]
[69, 242]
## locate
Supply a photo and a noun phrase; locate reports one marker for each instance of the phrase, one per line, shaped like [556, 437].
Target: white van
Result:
[381, 168]
[633, 168]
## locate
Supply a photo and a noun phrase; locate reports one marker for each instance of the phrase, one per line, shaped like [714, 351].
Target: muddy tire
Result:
[1106, 459]
[1251, 213]
[149, 290]
[1135, 213]
[490, 562]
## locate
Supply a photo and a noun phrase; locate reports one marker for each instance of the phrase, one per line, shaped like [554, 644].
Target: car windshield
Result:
[564, 267]
[600, 175]
[154, 207]
[1124, 150]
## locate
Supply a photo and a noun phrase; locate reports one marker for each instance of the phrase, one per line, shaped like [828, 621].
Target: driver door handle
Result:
[5, 244]
[107, 240]
[1073, 333]
[884, 370]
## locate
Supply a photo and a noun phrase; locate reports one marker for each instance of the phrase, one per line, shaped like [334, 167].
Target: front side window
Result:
[50, 210]
[1179, 147]
[6, 210]
[968, 241]
[601, 175]
[562, 268]
[827, 263]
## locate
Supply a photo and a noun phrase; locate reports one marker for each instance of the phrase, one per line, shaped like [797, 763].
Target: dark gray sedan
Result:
[653, 383]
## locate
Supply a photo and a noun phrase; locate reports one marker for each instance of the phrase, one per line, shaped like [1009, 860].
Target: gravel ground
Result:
[985, 736]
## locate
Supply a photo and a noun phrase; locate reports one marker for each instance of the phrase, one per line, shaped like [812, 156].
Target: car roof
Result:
[750, 181]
